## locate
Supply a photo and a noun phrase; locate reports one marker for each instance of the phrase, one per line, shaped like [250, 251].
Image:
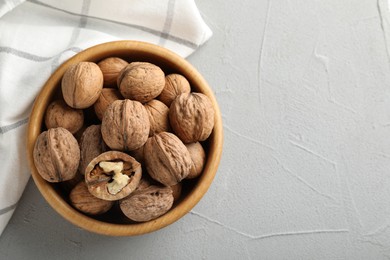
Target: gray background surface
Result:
[304, 89]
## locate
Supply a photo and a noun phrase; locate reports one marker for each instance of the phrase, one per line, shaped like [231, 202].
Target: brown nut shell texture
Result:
[141, 81]
[167, 159]
[175, 84]
[191, 116]
[111, 67]
[147, 203]
[138, 154]
[59, 114]
[56, 155]
[107, 96]
[125, 125]
[81, 84]
[176, 191]
[112, 175]
[67, 186]
[158, 117]
[198, 156]
[84, 201]
[91, 145]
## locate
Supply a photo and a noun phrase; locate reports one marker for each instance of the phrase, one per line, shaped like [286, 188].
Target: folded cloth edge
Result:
[7, 210]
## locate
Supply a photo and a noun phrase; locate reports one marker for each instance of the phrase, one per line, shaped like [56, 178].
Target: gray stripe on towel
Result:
[23, 54]
[82, 21]
[7, 128]
[138, 27]
[75, 33]
[8, 209]
[168, 22]
[33, 57]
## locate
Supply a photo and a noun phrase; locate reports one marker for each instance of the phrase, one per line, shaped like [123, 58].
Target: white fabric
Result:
[37, 36]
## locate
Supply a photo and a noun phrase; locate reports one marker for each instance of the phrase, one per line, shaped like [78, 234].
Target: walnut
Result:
[81, 84]
[112, 175]
[80, 132]
[59, 114]
[198, 157]
[111, 67]
[56, 155]
[144, 183]
[107, 96]
[138, 154]
[175, 84]
[84, 201]
[67, 186]
[158, 117]
[176, 191]
[191, 116]
[136, 120]
[91, 145]
[147, 203]
[167, 160]
[125, 125]
[141, 81]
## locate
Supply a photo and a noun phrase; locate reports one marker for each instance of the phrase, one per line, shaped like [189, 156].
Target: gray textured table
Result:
[304, 89]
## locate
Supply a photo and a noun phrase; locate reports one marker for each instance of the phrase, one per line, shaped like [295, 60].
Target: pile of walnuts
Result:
[147, 141]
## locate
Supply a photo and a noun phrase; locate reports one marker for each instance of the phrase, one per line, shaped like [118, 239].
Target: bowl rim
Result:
[47, 189]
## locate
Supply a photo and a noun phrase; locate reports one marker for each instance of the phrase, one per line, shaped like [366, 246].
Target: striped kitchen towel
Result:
[38, 35]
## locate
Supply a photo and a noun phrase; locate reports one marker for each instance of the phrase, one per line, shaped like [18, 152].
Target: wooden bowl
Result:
[114, 224]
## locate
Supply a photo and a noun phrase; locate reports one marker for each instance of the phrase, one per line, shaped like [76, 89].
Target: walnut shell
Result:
[175, 84]
[138, 154]
[111, 67]
[56, 155]
[167, 160]
[101, 182]
[91, 145]
[176, 191]
[81, 84]
[191, 116]
[158, 117]
[198, 157]
[125, 125]
[59, 114]
[84, 201]
[141, 81]
[107, 96]
[144, 183]
[67, 186]
[147, 203]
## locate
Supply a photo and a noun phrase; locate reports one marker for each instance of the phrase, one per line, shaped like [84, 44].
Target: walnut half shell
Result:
[112, 175]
